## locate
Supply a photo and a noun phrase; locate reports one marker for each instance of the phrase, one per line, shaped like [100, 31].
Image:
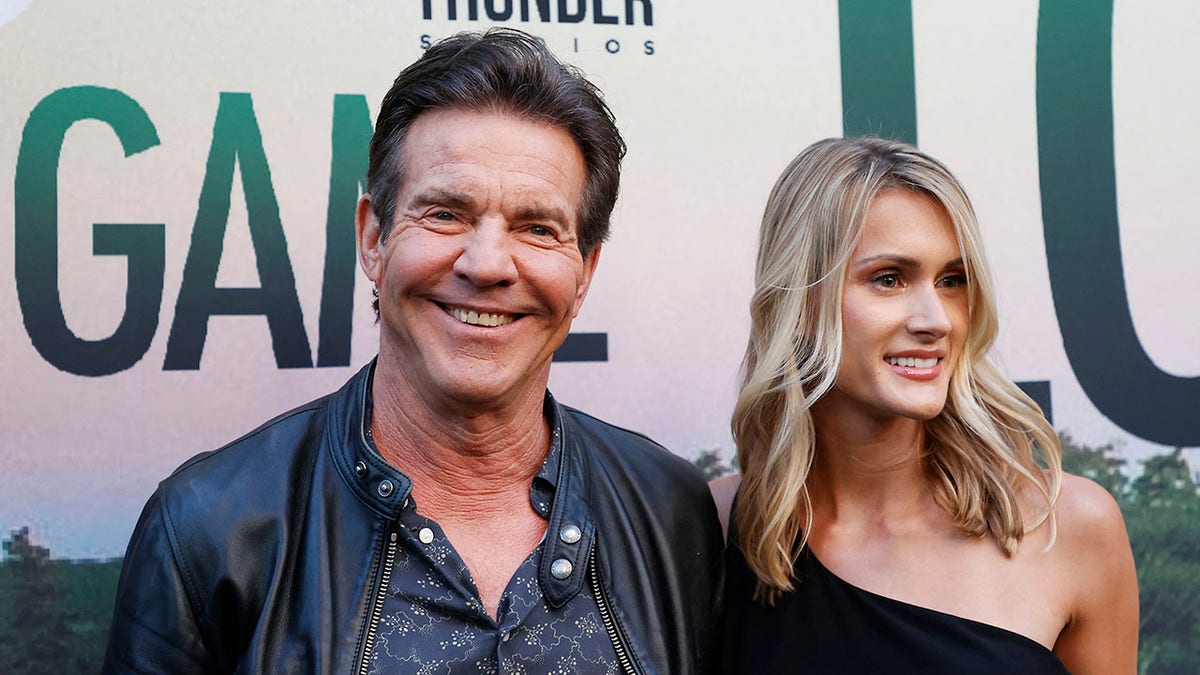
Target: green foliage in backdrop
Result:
[1162, 514]
[54, 614]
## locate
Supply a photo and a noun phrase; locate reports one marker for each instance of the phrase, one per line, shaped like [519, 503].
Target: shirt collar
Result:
[541, 491]
[545, 482]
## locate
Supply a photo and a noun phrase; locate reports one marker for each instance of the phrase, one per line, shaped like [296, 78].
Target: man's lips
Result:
[475, 317]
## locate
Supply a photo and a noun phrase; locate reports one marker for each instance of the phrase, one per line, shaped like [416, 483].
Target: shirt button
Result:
[570, 534]
[385, 488]
[561, 568]
[360, 469]
[425, 535]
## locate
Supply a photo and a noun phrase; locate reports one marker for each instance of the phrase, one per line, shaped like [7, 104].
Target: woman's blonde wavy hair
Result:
[982, 448]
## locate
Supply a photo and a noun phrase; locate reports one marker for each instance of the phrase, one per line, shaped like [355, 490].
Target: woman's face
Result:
[904, 311]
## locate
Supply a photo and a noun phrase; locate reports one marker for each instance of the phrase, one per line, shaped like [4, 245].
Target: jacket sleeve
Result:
[155, 627]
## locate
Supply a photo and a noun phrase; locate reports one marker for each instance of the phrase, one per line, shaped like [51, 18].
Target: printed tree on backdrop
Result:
[1100, 464]
[1164, 528]
[38, 630]
[1165, 479]
[711, 465]
[1162, 514]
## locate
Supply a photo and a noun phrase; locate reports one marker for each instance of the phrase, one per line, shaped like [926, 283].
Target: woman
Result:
[902, 506]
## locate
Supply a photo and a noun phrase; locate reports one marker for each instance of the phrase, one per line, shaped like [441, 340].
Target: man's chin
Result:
[484, 388]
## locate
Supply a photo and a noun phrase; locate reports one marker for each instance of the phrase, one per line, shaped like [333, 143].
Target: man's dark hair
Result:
[503, 71]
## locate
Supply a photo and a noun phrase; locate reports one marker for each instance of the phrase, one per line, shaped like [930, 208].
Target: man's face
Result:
[481, 274]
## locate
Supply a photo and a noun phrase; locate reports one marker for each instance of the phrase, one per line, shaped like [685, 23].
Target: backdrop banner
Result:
[178, 187]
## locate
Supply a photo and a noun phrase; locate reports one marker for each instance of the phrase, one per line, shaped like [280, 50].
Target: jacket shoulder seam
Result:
[311, 408]
[189, 579]
[575, 412]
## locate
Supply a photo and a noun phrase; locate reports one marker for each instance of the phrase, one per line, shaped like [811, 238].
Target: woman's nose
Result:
[927, 313]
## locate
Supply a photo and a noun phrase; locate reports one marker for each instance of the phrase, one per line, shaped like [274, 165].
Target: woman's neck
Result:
[868, 470]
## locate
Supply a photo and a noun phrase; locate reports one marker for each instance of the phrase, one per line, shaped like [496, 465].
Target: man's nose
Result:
[486, 258]
[927, 313]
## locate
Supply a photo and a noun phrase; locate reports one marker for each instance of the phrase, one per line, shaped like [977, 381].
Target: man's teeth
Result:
[911, 362]
[480, 318]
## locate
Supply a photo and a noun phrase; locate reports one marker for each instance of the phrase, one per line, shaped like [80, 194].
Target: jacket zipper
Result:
[385, 575]
[608, 619]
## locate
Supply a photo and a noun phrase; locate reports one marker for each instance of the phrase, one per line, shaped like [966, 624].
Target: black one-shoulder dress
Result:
[827, 625]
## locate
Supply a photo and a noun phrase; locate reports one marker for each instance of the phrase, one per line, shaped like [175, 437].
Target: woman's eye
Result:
[889, 280]
[954, 281]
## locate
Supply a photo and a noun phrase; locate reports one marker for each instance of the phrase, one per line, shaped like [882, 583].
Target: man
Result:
[442, 512]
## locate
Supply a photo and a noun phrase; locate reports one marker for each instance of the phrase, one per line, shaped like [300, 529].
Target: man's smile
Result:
[478, 318]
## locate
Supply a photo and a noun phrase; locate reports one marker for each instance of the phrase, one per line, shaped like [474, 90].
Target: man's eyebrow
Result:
[551, 214]
[464, 201]
[444, 197]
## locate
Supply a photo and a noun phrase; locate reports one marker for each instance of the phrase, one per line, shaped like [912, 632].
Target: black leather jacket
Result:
[266, 556]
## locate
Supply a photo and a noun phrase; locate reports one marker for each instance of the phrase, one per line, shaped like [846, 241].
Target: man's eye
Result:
[443, 215]
[540, 230]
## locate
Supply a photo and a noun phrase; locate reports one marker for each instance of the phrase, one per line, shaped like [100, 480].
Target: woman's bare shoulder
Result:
[1101, 634]
[1087, 514]
[724, 489]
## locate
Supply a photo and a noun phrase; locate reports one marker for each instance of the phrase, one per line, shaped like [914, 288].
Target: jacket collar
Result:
[386, 489]
[572, 528]
[381, 486]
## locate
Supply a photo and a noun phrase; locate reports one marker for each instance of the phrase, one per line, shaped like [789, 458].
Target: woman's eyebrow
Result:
[901, 261]
[897, 260]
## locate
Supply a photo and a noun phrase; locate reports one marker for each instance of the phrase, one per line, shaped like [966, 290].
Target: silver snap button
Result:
[561, 568]
[570, 534]
[385, 488]
[425, 535]
[360, 469]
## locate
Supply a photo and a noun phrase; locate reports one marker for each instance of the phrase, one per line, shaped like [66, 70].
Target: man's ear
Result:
[589, 270]
[368, 234]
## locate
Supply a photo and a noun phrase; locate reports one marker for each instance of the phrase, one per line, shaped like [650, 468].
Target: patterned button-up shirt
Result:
[434, 622]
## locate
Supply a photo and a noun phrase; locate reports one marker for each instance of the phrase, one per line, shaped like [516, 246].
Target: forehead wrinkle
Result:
[531, 181]
[454, 152]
